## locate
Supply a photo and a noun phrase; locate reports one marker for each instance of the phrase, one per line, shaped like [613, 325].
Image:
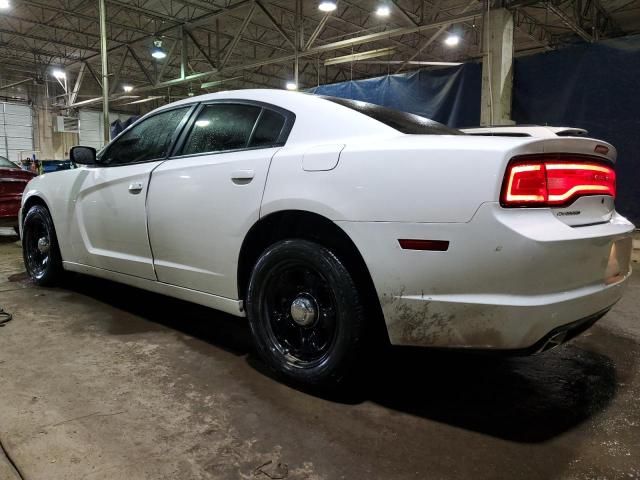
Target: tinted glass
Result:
[5, 163]
[402, 121]
[221, 127]
[268, 130]
[148, 140]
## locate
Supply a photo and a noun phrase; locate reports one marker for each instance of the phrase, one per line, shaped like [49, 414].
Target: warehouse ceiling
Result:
[224, 44]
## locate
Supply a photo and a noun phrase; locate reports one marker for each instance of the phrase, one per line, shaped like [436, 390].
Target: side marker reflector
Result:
[433, 245]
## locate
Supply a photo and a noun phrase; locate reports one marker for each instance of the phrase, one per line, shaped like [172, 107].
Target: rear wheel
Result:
[305, 313]
[40, 247]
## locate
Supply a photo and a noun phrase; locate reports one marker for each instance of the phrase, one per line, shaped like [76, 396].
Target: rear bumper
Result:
[508, 279]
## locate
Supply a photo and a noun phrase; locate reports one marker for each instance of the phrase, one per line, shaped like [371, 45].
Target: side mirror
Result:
[83, 155]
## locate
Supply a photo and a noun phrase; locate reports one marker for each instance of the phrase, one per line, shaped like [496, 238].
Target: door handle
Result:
[242, 177]
[135, 188]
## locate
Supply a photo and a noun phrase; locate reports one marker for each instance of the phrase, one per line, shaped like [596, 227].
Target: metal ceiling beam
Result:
[236, 39]
[317, 31]
[74, 93]
[403, 13]
[275, 24]
[49, 40]
[529, 26]
[569, 22]
[140, 64]
[15, 84]
[200, 49]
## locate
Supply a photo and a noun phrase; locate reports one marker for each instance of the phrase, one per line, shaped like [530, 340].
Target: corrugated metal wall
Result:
[90, 132]
[16, 131]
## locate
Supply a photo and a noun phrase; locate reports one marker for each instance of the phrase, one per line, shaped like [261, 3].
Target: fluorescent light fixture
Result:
[57, 73]
[327, 6]
[383, 11]
[4, 4]
[452, 40]
[157, 52]
[354, 57]
[292, 86]
[203, 123]
[127, 88]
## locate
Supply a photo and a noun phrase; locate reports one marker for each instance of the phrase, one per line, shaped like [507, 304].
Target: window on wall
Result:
[222, 127]
[148, 140]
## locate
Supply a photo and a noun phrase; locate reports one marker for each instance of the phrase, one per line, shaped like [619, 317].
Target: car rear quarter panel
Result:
[407, 178]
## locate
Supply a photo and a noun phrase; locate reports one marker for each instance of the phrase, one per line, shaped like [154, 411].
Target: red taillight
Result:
[546, 180]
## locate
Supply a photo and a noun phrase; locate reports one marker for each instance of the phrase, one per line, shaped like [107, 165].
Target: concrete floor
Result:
[102, 381]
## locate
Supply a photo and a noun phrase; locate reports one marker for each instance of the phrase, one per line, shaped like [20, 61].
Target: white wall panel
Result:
[16, 131]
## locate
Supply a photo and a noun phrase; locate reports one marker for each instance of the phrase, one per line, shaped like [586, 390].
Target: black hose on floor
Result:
[5, 317]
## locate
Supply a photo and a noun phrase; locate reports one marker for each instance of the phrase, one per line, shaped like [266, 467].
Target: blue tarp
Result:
[596, 87]
[447, 95]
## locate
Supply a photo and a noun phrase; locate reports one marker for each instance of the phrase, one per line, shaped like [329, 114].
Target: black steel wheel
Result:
[40, 246]
[305, 312]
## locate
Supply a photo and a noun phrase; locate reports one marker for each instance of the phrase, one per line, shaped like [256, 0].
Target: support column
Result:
[106, 134]
[497, 68]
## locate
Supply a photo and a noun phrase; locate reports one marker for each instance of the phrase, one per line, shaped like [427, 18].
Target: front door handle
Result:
[242, 177]
[135, 188]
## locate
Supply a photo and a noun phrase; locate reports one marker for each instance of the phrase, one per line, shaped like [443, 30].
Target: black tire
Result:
[311, 274]
[40, 250]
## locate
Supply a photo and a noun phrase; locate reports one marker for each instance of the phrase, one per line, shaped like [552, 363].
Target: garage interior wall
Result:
[90, 128]
[16, 131]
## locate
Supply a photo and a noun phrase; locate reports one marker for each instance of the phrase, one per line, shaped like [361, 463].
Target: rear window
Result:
[402, 121]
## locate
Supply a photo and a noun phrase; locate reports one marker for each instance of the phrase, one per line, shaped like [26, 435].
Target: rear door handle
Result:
[135, 187]
[242, 177]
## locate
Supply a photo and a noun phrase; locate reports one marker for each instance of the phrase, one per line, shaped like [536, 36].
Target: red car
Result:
[13, 180]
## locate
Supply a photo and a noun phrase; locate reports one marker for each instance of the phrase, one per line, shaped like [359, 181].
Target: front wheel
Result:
[40, 247]
[305, 313]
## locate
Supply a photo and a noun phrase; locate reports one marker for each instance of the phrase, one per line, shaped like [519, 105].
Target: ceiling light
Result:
[325, 6]
[203, 123]
[383, 11]
[452, 40]
[292, 86]
[4, 4]
[157, 52]
[59, 74]
[127, 88]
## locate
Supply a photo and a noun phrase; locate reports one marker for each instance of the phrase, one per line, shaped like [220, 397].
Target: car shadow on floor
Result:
[523, 399]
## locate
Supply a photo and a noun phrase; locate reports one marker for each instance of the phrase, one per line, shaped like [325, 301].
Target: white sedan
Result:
[328, 221]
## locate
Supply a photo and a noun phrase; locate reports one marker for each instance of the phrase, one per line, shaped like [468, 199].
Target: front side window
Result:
[148, 140]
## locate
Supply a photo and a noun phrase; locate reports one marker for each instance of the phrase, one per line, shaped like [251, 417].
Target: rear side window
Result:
[221, 127]
[268, 130]
[148, 140]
